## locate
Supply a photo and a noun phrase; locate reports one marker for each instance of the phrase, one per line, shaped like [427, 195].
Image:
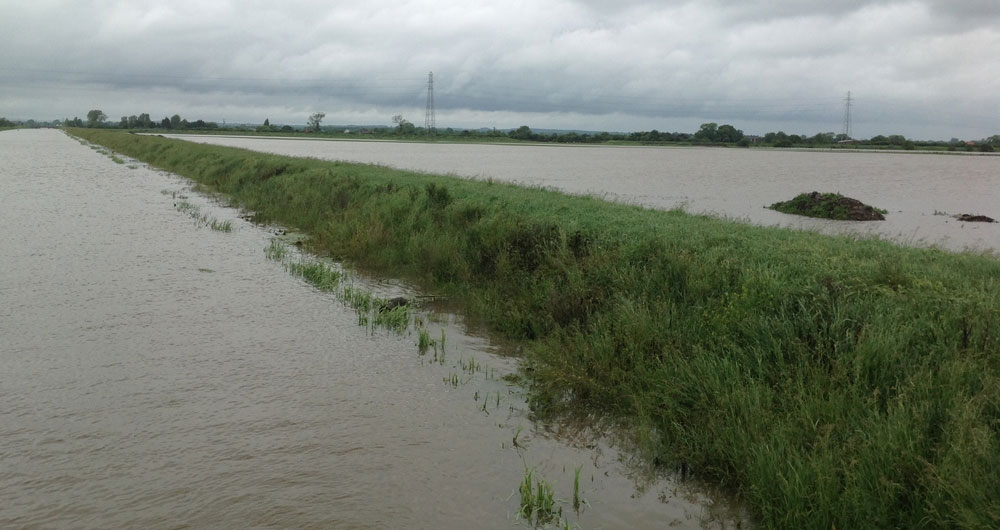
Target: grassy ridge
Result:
[830, 382]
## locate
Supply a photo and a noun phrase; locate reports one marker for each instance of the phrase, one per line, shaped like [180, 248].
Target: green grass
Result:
[220, 226]
[423, 340]
[538, 504]
[319, 275]
[825, 381]
[396, 319]
[276, 251]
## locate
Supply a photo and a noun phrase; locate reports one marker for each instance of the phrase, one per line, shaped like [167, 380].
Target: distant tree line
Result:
[97, 118]
[707, 134]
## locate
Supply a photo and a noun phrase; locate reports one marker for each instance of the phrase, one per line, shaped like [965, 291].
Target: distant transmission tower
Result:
[847, 116]
[429, 122]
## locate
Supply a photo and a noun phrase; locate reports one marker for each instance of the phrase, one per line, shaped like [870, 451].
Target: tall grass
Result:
[827, 381]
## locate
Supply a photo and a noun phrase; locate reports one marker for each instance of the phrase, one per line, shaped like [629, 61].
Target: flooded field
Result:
[922, 192]
[161, 372]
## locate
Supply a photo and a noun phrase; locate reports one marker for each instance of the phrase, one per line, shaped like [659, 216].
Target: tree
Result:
[521, 133]
[267, 122]
[95, 118]
[313, 123]
[822, 138]
[133, 121]
[165, 123]
[175, 121]
[124, 122]
[729, 134]
[709, 132]
[780, 139]
[144, 121]
[403, 126]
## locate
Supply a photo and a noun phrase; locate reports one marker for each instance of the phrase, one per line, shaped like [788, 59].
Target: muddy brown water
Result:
[733, 183]
[161, 374]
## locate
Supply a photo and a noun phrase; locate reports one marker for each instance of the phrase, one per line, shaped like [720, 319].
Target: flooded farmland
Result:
[922, 192]
[161, 372]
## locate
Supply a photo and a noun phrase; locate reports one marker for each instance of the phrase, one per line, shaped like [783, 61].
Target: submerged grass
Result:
[827, 381]
[373, 312]
[203, 219]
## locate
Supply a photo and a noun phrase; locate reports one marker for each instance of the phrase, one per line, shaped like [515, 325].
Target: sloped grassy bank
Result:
[829, 382]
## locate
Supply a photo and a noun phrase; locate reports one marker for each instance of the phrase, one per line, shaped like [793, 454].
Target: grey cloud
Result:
[592, 64]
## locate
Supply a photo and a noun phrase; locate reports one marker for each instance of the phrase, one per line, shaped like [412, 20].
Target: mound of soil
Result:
[829, 206]
[968, 218]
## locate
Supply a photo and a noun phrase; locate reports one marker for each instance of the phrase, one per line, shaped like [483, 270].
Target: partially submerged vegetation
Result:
[971, 218]
[827, 381]
[203, 219]
[829, 206]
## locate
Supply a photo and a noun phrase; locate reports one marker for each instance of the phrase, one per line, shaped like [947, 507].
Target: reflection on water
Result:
[161, 374]
[734, 183]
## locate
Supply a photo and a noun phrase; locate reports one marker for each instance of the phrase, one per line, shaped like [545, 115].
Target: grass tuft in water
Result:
[423, 340]
[276, 251]
[319, 275]
[187, 207]
[396, 319]
[517, 433]
[576, 487]
[538, 504]
[221, 226]
[527, 494]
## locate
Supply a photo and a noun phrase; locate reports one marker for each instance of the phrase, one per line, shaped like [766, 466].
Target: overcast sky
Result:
[928, 69]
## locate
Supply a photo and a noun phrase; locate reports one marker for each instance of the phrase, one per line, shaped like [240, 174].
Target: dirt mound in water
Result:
[830, 206]
[968, 218]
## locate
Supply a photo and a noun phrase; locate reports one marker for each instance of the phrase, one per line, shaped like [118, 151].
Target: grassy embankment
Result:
[829, 382]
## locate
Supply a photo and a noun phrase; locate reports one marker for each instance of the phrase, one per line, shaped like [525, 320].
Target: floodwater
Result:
[159, 374]
[920, 191]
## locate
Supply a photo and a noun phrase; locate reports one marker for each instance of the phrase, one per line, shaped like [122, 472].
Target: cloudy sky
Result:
[928, 69]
